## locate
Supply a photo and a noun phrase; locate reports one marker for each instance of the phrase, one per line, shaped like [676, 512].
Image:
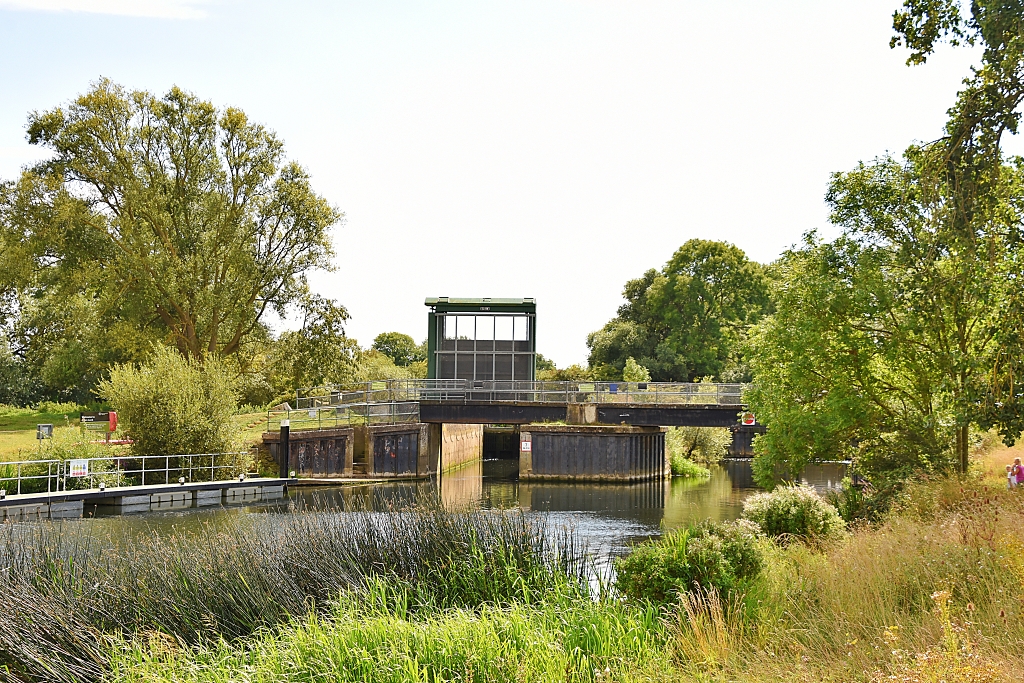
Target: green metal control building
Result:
[482, 339]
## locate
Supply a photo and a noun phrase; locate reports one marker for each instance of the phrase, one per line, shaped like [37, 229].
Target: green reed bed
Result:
[68, 593]
[562, 638]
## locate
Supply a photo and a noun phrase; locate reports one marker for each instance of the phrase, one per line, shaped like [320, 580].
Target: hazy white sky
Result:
[549, 149]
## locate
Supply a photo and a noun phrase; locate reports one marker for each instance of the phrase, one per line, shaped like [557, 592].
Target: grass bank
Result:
[931, 593]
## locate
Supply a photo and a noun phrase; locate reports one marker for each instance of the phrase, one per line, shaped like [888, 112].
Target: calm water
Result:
[608, 517]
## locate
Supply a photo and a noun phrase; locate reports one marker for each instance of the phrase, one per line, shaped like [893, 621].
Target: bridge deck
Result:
[641, 414]
[513, 402]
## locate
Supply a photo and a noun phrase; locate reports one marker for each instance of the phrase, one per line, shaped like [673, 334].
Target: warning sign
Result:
[78, 468]
[525, 446]
[748, 419]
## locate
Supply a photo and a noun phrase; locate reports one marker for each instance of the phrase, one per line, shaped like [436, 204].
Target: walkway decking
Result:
[126, 499]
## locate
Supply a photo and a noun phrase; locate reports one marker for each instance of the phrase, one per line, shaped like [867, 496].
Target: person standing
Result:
[1018, 471]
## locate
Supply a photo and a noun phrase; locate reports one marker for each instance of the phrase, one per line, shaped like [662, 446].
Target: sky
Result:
[549, 149]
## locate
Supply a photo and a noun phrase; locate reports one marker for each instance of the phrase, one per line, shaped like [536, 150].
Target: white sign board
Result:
[524, 446]
[78, 468]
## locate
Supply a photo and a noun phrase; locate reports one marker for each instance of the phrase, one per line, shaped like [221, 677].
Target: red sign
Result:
[748, 419]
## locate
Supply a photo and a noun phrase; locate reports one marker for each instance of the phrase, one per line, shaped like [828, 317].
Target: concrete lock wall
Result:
[409, 450]
[591, 453]
[461, 445]
[315, 453]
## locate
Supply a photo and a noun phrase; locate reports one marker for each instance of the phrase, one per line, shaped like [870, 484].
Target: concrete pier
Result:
[592, 453]
[461, 445]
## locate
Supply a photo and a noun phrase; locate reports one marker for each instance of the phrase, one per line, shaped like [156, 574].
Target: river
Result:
[607, 517]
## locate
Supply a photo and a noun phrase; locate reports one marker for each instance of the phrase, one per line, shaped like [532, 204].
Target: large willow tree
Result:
[155, 218]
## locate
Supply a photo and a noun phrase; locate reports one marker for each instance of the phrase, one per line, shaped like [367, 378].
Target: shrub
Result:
[172, 405]
[58, 408]
[794, 511]
[723, 556]
[702, 444]
[682, 467]
[634, 372]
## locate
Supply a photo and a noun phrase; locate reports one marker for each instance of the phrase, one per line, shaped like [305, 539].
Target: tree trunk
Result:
[962, 447]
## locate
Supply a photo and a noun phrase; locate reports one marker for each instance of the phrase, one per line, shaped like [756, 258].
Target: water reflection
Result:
[608, 517]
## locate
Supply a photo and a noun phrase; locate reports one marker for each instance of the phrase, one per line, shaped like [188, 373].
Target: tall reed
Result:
[64, 587]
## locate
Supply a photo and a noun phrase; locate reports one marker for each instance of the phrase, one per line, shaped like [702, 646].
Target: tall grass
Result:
[63, 587]
[562, 638]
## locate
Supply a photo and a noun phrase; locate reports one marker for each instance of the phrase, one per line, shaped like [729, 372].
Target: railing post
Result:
[285, 447]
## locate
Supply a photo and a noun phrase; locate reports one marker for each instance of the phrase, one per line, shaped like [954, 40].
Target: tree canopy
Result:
[400, 348]
[154, 219]
[687, 320]
[892, 342]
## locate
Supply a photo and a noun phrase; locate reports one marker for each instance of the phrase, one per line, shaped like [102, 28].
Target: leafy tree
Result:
[634, 372]
[687, 320]
[965, 170]
[317, 353]
[171, 405]
[400, 348]
[544, 363]
[880, 336]
[167, 218]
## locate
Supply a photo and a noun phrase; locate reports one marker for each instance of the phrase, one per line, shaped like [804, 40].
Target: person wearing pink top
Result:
[1018, 471]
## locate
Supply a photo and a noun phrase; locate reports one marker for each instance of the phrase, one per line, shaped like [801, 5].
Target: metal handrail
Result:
[52, 476]
[506, 391]
[192, 466]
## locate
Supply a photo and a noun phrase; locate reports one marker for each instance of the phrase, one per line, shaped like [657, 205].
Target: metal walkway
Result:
[513, 402]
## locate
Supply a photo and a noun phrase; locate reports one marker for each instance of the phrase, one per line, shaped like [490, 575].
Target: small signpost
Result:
[102, 421]
[44, 431]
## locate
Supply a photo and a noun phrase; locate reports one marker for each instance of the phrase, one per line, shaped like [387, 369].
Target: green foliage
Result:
[400, 348]
[684, 467]
[634, 372]
[17, 385]
[573, 373]
[708, 554]
[69, 589]
[882, 338]
[318, 352]
[374, 365]
[701, 444]
[687, 320]
[172, 405]
[562, 641]
[543, 363]
[192, 228]
[794, 512]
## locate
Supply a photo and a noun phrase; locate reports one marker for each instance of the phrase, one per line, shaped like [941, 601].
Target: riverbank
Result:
[931, 593]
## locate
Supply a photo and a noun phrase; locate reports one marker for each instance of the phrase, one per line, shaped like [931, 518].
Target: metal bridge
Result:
[513, 402]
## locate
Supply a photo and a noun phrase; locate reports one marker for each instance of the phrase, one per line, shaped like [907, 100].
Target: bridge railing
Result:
[509, 391]
[316, 415]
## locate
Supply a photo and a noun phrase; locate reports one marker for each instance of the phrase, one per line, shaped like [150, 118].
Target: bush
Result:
[794, 511]
[701, 444]
[173, 405]
[708, 554]
[682, 467]
[58, 408]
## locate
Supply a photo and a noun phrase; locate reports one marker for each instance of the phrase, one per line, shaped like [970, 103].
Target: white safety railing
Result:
[52, 476]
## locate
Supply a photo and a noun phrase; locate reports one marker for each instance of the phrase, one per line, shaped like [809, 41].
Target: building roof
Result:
[457, 304]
